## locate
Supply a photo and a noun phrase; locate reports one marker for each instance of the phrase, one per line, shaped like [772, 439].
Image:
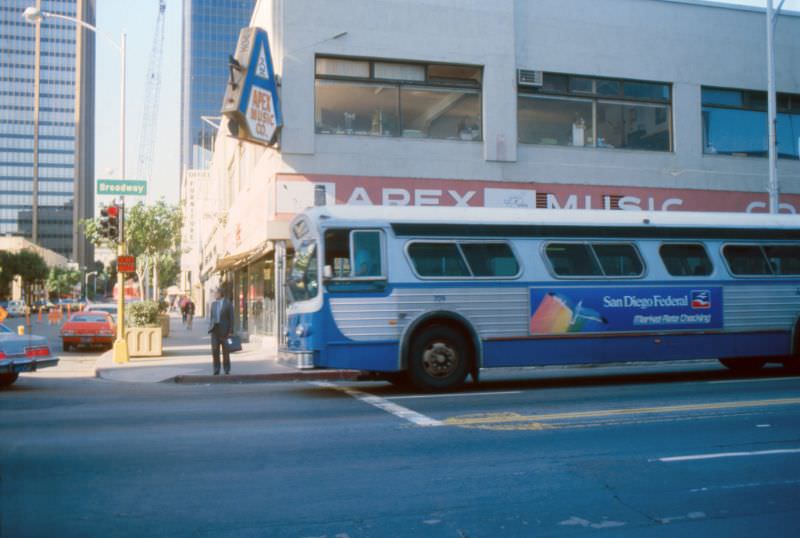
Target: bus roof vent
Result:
[528, 78]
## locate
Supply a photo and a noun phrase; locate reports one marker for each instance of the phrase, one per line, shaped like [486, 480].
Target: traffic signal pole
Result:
[121, 344]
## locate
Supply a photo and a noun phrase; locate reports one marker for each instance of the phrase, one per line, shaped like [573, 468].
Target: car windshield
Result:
[304, 276]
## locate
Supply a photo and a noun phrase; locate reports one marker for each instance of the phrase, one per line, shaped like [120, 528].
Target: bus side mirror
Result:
[327, 272]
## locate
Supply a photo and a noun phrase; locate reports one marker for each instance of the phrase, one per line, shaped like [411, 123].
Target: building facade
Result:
[610, 104]
[47, 126]
[210, 30]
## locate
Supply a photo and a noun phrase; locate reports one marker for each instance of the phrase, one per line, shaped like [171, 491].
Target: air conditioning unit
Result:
[526, 77]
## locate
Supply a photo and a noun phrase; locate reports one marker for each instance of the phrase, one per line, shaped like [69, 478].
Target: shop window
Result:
[735, 123]
[349, 108]
[686, 260]
[379, 98]
[571, 110]
[440, 113]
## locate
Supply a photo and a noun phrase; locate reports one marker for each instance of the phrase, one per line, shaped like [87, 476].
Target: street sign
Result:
[122, 187]
[126, 264]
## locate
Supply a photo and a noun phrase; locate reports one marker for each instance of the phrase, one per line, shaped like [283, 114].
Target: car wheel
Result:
[439, 359]
[8, 379]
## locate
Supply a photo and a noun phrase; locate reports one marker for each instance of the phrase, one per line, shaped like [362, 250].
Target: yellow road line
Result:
[507, 418]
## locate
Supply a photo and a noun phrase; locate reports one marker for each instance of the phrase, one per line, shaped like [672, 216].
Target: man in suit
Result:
[220, 327]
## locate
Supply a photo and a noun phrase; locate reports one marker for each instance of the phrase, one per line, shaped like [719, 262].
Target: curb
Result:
[321, 375]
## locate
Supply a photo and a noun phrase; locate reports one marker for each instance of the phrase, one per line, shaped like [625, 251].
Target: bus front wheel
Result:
[439, 359]
[747, 365]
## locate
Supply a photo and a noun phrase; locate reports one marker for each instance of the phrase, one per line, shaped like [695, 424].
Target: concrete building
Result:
[47, 126]
[615, 104]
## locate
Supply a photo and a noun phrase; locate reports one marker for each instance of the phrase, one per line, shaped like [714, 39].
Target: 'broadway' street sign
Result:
[122, 187]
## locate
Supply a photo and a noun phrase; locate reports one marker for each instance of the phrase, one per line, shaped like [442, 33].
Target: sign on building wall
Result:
[251, 101]
[296, 192]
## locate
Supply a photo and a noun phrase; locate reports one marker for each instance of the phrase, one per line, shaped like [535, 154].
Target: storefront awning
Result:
[240, 259]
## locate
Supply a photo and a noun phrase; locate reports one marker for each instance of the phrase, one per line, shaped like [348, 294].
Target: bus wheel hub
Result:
[439, 359]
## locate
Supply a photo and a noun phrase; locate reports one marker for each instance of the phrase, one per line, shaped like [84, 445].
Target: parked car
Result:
[110, 308]
[16, 308]
[88, 329]
[22, 354]
[42, 305]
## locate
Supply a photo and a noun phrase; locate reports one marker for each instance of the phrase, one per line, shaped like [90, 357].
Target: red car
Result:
[88, 329]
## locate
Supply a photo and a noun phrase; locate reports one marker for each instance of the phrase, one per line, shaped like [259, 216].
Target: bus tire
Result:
[439, 359]
[745, 365]
[8, 379]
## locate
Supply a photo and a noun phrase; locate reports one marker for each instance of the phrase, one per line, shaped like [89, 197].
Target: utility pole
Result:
[774, 191]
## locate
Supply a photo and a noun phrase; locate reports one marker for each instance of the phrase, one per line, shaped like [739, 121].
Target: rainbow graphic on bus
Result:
[555, 314]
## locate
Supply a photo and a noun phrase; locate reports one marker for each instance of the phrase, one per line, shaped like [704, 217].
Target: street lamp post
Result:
[772, 17]
[34, 15]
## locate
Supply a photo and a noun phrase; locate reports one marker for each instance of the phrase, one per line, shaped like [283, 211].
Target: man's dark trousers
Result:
[217, 341]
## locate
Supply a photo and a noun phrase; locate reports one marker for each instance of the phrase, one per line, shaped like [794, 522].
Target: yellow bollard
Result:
[21, 330]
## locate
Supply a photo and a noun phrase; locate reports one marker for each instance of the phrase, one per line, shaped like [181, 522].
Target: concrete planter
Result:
[144, 341]
[164, 320]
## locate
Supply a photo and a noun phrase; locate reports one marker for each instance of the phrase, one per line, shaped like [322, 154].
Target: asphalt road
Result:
[634, 451]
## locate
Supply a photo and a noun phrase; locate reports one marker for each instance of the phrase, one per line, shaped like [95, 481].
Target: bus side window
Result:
[746, 260]
[367, 253]
[572, 259]
[490, 259]
[686, 260]
[437, 260]
[337, 252]
[619, 259]
[784, 259]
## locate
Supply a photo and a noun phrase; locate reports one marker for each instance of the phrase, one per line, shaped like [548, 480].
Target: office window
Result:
[735, 123]
[572, 110]
[380, 98]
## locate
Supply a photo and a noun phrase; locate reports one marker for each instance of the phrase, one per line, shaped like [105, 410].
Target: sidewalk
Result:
[187, 359]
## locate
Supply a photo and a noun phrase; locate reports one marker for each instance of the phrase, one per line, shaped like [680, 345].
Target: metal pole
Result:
[773, 167]
[122, 108]
[36, 91]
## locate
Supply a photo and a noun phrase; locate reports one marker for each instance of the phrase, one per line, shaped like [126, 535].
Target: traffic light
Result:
[109, 222]
[113, 222]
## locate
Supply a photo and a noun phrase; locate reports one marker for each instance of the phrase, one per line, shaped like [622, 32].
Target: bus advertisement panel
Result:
[624, 309]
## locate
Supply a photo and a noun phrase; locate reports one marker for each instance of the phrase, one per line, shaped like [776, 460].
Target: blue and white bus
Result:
[432, 295]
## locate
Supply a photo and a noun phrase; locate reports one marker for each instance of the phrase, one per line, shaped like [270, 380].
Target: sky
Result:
[137, 18]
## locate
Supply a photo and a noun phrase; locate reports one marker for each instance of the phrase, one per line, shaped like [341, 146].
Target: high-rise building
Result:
[210, 31]
[47, 125]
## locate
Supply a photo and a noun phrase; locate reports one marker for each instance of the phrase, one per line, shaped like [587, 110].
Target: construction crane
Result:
[152, 90]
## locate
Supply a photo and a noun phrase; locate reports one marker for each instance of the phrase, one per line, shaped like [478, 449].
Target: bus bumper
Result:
[302, 360]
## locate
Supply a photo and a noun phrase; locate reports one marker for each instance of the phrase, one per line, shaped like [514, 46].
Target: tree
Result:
[32, 268]
[62, 281]
[8, 269]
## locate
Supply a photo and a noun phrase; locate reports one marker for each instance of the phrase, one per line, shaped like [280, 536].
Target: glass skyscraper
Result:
[47, 174]
[210, 31]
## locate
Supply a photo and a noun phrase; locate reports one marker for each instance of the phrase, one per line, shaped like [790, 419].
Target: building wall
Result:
[66, 126]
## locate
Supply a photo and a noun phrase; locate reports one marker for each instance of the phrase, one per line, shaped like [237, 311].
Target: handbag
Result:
[233, 343]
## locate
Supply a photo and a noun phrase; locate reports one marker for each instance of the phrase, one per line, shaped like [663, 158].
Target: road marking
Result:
[383, 404]
[510, 418]
[752, 380]
[729, 455]
[453, 395]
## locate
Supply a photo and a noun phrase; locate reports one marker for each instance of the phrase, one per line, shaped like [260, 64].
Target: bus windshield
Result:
[303, 276]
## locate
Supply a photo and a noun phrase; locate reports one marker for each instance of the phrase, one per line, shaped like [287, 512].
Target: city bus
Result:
[431, 295]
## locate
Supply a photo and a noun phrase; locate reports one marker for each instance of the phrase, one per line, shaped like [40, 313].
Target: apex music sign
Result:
[251, 101]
